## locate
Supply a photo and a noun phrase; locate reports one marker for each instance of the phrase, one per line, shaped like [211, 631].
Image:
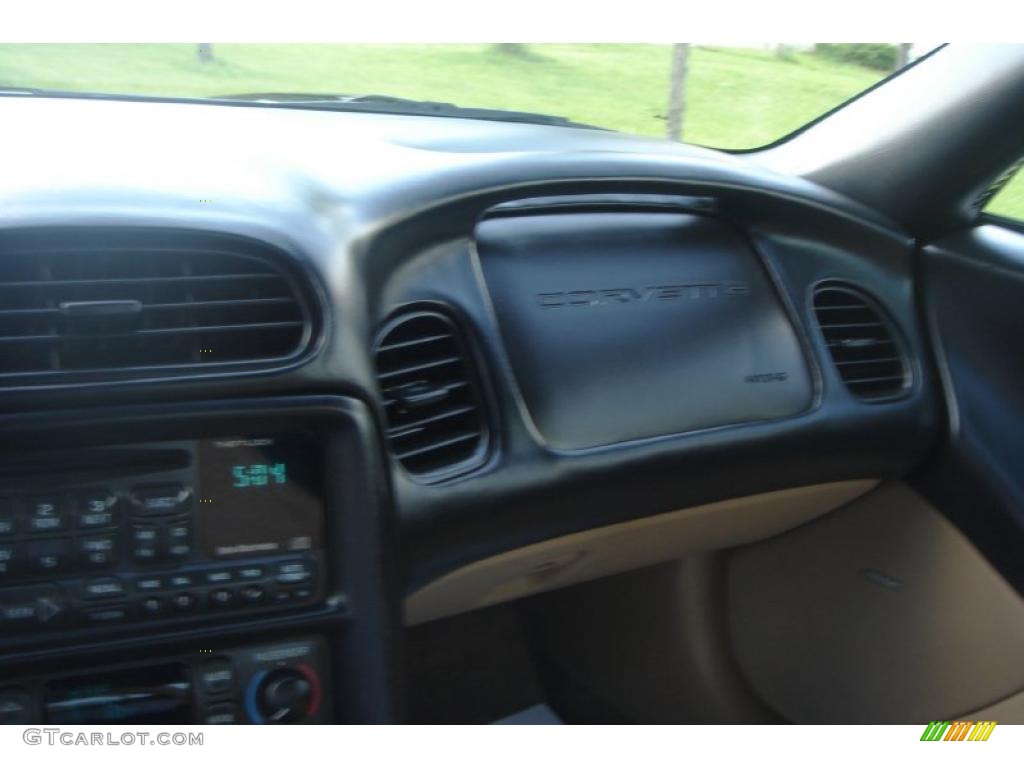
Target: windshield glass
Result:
[719, 96]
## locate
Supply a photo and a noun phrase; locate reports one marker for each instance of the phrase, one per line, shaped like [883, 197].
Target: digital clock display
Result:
[259, 475]
[260, 495]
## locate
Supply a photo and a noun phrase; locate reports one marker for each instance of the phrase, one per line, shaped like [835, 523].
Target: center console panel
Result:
[279, 683]
[194, 535]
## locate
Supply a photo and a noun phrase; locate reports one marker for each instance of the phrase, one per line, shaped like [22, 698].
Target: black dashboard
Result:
[311, 362]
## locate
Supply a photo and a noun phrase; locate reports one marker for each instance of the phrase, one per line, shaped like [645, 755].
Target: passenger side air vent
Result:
[122, 304]
[431, 395]
[862, 343]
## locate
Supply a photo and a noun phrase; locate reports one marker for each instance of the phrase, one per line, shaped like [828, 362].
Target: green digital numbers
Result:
[259, 475]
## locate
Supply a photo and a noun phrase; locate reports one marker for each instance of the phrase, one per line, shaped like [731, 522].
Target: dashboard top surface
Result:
[165, 158]
[379, 211]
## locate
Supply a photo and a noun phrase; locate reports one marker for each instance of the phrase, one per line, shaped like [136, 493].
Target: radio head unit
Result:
[167, 531]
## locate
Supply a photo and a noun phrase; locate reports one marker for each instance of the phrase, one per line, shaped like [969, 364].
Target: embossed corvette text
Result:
[593, 297]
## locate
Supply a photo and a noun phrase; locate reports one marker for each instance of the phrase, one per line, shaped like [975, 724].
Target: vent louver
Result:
[122, 305]
[431, 395]
[862, 343]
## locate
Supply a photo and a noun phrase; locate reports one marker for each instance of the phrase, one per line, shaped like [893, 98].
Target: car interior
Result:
[345, 416]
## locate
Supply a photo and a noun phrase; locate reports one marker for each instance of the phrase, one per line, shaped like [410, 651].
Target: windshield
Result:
[718, 96]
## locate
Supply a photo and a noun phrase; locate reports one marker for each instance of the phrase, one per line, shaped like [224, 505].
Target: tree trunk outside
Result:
[902, 55]
[677, 91]
[513, 49]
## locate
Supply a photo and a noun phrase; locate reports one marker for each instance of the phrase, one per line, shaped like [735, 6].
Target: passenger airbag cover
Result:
[622, 326]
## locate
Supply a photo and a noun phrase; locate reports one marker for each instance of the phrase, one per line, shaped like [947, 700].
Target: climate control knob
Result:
[285, 695]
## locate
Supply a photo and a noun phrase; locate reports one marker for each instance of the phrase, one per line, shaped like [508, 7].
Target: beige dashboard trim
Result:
[624, 547]
[883, 612]
[1009, 710]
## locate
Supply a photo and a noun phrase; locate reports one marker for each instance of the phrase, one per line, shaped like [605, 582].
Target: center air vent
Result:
[432, 396]
[101, 305]
[862, 343]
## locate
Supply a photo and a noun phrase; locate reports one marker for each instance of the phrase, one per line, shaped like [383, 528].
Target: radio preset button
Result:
[294, 572]
[45, 515]
[100, 589]
[178, 538]
[98, 551]
[179, 551]
[8, 520]
[96, 509]
[48, 555]
[108, 615]
[143, 554]
[283, 596]
[144, 542]
[149, 583]
[184, 601]
[10, 559]
[151, 606]
[179, 530]
[253, 594]
[250, 573]
[219, 577]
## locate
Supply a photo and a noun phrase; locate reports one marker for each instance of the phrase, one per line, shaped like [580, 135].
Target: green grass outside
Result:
[1010, 200]
[736, 98]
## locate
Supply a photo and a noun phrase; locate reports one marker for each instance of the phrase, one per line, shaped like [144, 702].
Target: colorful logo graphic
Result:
[958, 730]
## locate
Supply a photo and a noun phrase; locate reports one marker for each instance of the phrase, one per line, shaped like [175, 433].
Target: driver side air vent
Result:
[436, 426]
[110, 304]
[862, 343]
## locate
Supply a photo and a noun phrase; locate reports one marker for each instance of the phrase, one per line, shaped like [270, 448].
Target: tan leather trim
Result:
[625, 546]
[651, 643]
[1009, 710]
[880, 613]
